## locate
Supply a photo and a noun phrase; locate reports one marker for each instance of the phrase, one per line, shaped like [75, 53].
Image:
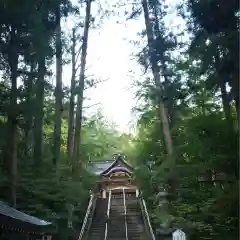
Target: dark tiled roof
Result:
[10, 212]
[97, 167]
[119, 161]
[117, 169]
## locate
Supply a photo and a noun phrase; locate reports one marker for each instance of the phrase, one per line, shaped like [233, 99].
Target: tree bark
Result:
[58, 91]
[169, 165]
[168, 107]
[156, 75]
[70, 140]
[222, 85]
[39, 104]
[12, 121]
[28, 113]
[225, 100]
[72, 95]
[235, 92]
[78, 121]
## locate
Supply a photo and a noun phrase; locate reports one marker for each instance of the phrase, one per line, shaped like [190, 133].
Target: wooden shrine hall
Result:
[16, 225]
[116, 210]
[114, 175]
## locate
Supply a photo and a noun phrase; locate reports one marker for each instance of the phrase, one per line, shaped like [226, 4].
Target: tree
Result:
[78, 123]
[157, 59]
[214, 45]
[199, 131]
[71, 102]
[58, 90]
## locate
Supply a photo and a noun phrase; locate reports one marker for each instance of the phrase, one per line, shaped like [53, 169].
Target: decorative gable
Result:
[118, 165]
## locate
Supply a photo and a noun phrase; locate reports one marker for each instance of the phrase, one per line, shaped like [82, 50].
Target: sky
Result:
[110, 57]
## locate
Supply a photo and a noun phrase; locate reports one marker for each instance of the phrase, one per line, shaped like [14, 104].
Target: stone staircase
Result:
[116, 226]
[118, 223]
[97, 228]
[135, 224]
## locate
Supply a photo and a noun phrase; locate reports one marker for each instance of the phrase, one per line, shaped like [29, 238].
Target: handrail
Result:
[86, 217]
[125, 213]
[148, 219]
[109, 202]
[108, 212]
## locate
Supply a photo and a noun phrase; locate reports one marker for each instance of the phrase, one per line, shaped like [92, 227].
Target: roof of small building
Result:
[20, 221]
[14, 213]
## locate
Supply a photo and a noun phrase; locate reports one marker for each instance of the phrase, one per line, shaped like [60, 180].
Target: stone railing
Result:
[146, 218]
[87, 218]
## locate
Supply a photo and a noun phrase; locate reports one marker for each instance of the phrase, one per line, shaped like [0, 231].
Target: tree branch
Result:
[95, 83]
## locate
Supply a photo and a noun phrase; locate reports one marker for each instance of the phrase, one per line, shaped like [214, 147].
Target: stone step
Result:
[97, 229]
[117, 220]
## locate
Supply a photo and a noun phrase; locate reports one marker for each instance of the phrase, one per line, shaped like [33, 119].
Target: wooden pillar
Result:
[104, 193]
[137, 192]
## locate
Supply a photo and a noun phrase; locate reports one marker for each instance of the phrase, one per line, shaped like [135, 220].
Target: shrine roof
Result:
[103, 166]
[97, 167]
[10, 212]
[14, 220]
[117, 169]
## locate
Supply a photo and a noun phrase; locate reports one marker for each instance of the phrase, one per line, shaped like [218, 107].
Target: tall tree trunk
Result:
[38, 118]
[12, 121]
[28, 114]
[70, 206]
[71, 104]
[224, 94]
[78, 122]
[58, 91]
[156, 75]
[225, 100]
[235, 92]
[170, 164]
[168, 107]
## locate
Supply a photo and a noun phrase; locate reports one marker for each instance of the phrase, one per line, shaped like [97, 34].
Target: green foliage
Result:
[200, 147]
[202, 122]
[27, 40]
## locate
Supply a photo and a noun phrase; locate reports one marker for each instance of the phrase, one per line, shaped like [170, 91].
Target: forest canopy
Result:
[186, 129]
